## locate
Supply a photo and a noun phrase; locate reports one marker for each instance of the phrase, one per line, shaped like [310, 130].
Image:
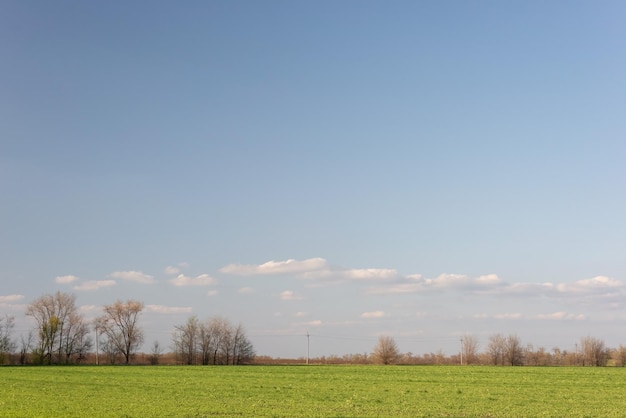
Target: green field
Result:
[322, 391]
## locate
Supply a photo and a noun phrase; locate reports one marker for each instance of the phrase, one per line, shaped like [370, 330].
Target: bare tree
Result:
[7, 345]
[205, 342]
[156, 353]
[214, 341]
[185, 339]
[514, 352]
[61, 329]
[243, 351]
[593, 352]
[219, 328]
[469, 348]
[25, 347]
[120, 325]
[385, 351]
[496, 348]
[619, 355]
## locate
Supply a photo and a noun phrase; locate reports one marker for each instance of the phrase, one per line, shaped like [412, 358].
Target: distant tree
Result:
[214, 341]
[120, 325]
[593, 352]
[243, 351]
[496, 348]
[7, 345]
[514, 352]
[25, 347]
[469, 348]
[385, 351]
[62, 331]
[155, 354]
[619, 356]
[185, 339]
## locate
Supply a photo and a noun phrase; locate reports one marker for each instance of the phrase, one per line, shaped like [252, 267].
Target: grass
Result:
[312, 391]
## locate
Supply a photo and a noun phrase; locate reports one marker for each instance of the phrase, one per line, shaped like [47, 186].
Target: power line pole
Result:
[307, 346]
[461, 351]
[97, 346]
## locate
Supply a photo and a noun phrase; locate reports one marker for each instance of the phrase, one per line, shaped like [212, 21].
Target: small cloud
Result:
[212, 293]
[89, 308]
[10, 298]
[367, 274]
[300, 314]
[370, 274]
[244, 290]
[508, 316]
[133, 276]
[315, 323]
[289, 295]
[65, 279]
[290, 266]
[560, 316]
[488, 279]
[172, 270]
[94, 285]
[277, 314]
[202, 280]
[168, 309]
[374, 314]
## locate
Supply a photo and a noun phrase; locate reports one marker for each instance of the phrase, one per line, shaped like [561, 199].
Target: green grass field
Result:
[321, 391]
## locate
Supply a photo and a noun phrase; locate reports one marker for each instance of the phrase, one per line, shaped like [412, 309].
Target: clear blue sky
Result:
[432, 168]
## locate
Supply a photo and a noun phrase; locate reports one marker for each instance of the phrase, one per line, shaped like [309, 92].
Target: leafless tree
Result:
[496, 348]
[61, 328]
[514, 352]
[185, 340]
[214, 341]
[243, 351]
[7, 345]
[385, 351]
[619, 356]
[25, 347]
[469, 348]
[155, 354]
[593, 352]
[120, 325]
[205, 342]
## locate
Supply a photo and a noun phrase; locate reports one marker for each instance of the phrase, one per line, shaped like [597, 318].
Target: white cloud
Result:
[202, 280]
[339, 275]
[560, 316]
[301, 314]
[172, 270]
[168, 309]
[10, 298]
[65, 279]
[289, 295]
[374, 314]
[290, 266]
[370, 274]
[515, 315]
[212, 293]
[94, 285]
[245, 290]
[315, 323]
[134, 276]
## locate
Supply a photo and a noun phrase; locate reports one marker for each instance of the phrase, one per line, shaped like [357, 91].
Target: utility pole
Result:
[461, 351]
[307, 346]
[97, 346]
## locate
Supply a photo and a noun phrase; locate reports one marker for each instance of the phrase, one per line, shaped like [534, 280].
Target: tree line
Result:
[501, 350]
[62, 335]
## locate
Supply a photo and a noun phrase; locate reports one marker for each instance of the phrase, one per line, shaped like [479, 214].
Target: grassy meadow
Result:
[312, 391]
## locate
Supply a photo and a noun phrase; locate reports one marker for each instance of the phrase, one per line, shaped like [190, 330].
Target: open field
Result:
[323, 391]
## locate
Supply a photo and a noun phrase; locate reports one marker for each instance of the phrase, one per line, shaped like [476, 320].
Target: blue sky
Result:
[350, 169]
